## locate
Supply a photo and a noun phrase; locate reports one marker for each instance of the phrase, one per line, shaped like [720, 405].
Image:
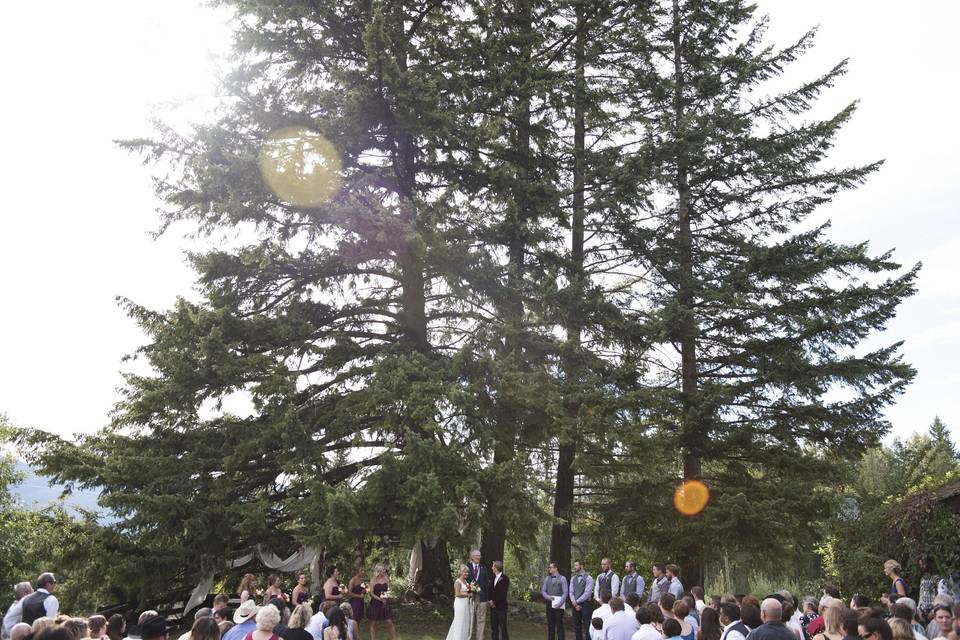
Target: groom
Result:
[478, 575]
[499, 589]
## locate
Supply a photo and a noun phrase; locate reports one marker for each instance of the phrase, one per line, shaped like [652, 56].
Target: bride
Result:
[462, 624]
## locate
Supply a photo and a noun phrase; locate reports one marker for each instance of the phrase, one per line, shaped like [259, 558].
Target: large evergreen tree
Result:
[764, 383]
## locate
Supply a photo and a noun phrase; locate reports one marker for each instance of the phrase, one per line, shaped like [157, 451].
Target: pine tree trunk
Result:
[561, 538]
[434, 580]
[691, 434]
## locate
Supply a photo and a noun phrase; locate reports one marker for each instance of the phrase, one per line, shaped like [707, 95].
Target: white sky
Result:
[76, 211]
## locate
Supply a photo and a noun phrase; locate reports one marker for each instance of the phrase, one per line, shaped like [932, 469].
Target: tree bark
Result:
[691, 432]
[561, 536]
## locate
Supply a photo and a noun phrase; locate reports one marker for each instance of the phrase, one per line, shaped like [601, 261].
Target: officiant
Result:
[554, 592]
[478, 575]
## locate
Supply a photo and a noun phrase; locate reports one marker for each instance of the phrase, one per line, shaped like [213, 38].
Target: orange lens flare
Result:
[691, 497]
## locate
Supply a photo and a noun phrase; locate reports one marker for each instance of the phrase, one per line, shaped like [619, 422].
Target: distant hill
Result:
[37, 492]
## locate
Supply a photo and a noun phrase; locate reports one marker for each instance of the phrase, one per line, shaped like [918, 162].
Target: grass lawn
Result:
[418, 623]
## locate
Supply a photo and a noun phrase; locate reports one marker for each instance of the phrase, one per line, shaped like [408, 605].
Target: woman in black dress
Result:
[379, 609]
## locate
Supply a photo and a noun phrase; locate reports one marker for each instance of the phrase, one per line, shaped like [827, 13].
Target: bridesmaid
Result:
[274, 590]
[301, 592]
[356, 590]
[379, 609]
[248, 588]
[331, 588]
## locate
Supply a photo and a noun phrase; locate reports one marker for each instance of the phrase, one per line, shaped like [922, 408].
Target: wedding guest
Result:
[499, 590]
[116, 627]
[666, 605]
[581, 587]
[650, 620]
[353, 627]
[850, 624]
[632, 581]
[14, 614]
[356, 589]
[221, 601]
[223, 615]
[622, 624]
[698, 602]
[673, 574]
[205, 629]
[632, 602]
[248, 588]
[943, 618]
[660, 585]
[98, 627]
[710, 628]
[274, 590]
[733, 627]
[339, 627]
[681, 611]
[267, 619]
[244, 620]
[671, 629]
[20, 631]
[40, 625]
[77, 628]
[600, 615]
[202, 612]
[901, 629]
[41, 603]
[331, 588]
[154, 627]
[378, 611]
[898, 586]
[871, 628]
[750, 615]
[554, 592]
[772, 627]
[607, 580]
[224, 626]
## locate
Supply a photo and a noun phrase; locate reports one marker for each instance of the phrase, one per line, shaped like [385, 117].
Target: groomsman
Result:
[632, 581]
[661, 583]
[554, 586]
[499, 589]
[478, 575]
[606, 580]
[581, 586]
[676, 587]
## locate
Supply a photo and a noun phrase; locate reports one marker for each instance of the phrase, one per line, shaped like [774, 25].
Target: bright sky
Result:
[75, 235]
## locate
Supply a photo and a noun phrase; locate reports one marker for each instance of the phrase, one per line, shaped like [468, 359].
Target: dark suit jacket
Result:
[498, 594]
[482, 578]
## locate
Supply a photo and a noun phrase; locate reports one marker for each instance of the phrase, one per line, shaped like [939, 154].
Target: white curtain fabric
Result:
[416, 562]
[306, 556]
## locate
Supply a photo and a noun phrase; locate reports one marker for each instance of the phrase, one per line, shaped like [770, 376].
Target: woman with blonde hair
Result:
[901, 629]
[832, 624]
[297, 625]
[379, 608]
[248, 588]
[891, 568]
[40, 625]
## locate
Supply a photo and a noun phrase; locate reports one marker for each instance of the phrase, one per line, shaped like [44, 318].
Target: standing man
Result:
[499, 590]
[771, 613]
[15, 612]
[581, 586]
[660, 583]
[554, 591]
[41, 602]
[632, 581]
[479, 576]
[676, 587]
[607, 580]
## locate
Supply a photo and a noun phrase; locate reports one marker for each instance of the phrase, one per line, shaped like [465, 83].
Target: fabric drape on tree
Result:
[416, 562]
[305, 556]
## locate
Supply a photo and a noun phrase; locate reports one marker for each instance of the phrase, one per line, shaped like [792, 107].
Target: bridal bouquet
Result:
[473, 588]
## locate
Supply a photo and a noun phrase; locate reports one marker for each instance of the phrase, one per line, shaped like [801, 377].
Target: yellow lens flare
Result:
[691, 497]
[300, 166]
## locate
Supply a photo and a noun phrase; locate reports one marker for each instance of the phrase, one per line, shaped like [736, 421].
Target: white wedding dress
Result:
[462, 624]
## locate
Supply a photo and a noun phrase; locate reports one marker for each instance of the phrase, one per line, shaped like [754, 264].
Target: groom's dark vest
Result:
[33, 607]
[629, 584]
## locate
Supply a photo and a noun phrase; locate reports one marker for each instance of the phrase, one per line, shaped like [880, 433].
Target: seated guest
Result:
[621, 625]
[601, 613]
[20, 631]
[116, 627]
[872, 628]
[97, 626]
[297, 626]
[671, 629]
[733, 627]
[772, 627]
[649, 618]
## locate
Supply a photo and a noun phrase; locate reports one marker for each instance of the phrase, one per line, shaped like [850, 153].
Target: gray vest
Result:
[604, 581]
[628, 584]
[554, 587]
[579, 585]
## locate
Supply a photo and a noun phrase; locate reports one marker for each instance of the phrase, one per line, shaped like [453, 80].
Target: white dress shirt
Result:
[732, 634]
[620, 626]
[647, 632]
[316, 625]
[603, 612]
[13, 616]
[614, 584]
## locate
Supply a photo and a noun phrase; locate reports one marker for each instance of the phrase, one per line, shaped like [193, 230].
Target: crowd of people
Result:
[611, 607]
[605, 606]
[269, 614]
